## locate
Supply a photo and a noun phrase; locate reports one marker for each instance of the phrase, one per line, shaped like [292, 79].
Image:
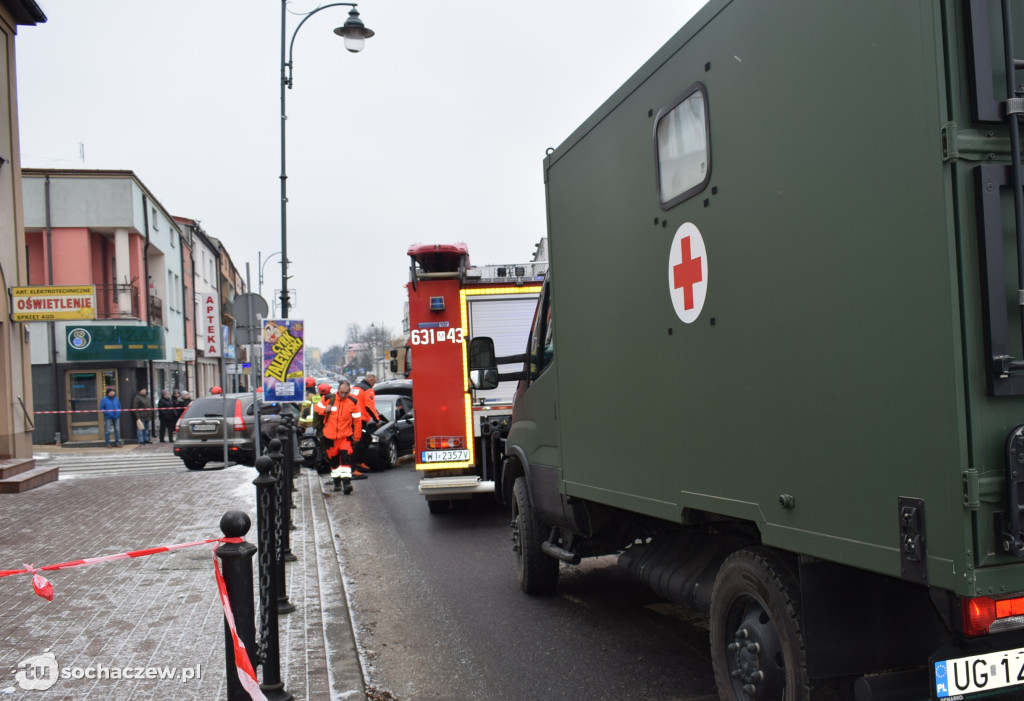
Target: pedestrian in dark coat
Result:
[143, 407]
[168, 415]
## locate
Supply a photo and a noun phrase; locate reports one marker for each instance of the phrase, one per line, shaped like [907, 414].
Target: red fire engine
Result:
[458, 429]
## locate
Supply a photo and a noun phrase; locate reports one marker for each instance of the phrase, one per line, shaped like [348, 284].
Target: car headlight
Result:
[375, 438]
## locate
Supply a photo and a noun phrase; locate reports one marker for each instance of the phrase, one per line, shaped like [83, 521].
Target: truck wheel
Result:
[438, 506]
[757, 646]
[538, 573]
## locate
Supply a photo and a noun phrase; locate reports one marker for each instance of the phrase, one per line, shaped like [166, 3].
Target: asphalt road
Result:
[438, 613]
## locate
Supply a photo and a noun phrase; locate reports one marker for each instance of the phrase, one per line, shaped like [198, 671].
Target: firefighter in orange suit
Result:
[363, 392]
[319, 419]
[343, 422]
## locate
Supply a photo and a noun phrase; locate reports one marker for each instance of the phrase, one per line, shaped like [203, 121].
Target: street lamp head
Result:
[354, 32]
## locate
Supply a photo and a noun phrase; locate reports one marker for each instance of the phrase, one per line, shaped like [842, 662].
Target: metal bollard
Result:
[270, 646]
[280, 530]
[236, 564]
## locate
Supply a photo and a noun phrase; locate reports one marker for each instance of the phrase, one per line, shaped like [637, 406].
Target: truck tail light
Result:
[445, 442]
[983, 615]
[239, 419]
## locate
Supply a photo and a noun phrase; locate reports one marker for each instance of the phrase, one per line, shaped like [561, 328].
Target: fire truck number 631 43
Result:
[425, 337]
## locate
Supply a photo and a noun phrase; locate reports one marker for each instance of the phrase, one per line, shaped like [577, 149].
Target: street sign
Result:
[246, 308]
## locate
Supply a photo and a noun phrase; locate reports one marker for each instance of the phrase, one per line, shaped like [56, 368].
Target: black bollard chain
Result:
[265, 535]
[280, 529]
[269, 645]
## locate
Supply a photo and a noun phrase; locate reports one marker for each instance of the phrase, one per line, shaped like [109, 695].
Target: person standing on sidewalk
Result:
[342, 424]
[367, 401]
[181, 401]
[143, 409]
[168, 415]
[110, 405]
[320, 410]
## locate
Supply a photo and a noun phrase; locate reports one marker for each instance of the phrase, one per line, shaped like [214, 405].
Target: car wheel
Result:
[538, 572]
[195, 464]
[757, 645]
[390, 453]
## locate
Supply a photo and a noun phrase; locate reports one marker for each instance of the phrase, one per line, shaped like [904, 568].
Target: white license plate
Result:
[204, 428]
[963, 676]
[445, 455]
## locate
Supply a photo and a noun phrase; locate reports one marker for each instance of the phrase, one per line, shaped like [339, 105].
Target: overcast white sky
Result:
[435, 133]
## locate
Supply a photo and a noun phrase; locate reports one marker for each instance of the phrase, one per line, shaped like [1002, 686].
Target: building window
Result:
[170, 290]
[682, 146]
[154, 220]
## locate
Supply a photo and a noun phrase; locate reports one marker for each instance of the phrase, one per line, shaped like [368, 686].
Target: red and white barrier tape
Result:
[100, 411]
[44, 589]
[243, 667]
[246, 674]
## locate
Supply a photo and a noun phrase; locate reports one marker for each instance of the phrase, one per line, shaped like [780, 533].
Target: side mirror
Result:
[484, 379]
[481, 353]
[483, 369]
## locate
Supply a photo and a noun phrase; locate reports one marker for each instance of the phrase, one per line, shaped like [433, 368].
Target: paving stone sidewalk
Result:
[159, 612]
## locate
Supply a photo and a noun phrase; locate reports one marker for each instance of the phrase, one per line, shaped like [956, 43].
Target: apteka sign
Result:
[210, 325]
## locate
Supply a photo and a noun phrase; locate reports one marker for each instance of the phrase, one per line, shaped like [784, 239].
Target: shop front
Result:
[97, 358]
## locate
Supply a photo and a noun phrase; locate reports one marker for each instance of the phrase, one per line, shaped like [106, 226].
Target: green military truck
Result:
[778, 364]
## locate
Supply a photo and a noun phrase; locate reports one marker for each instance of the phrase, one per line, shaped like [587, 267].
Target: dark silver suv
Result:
[210, 422]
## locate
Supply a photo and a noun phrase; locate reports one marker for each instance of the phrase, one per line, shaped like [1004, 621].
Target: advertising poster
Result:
[283, 360]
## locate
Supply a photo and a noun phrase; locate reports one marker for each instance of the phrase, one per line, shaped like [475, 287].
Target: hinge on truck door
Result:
[1011, 532]
[913, 544]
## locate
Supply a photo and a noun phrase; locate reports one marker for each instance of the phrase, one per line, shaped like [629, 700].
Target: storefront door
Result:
[85, 388]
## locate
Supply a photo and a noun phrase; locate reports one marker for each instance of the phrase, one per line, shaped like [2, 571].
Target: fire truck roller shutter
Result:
[505, 319]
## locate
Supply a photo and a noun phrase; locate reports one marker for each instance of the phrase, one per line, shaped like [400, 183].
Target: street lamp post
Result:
[355, 33]
[262, 262]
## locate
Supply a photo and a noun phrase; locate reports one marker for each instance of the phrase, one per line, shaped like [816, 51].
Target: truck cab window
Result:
[683, 152]
[542, 339]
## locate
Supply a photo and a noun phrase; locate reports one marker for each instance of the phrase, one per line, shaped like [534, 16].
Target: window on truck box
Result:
[682, 147]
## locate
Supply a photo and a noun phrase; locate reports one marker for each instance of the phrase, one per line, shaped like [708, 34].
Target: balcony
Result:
[117, 302]
[156, 311]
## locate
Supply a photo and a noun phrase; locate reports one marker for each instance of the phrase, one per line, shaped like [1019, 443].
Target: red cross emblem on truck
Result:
[688, 273]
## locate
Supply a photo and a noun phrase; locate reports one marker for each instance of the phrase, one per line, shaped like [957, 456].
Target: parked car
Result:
[393, 437]
[394, 387]
[199, 436]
